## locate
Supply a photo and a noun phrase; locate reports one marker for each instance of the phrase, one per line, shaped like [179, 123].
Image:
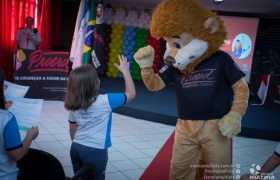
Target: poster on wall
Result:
[240, 42]
[45, 72]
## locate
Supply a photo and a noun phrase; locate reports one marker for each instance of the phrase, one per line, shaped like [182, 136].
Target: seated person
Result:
[12, 149]
[271, 163]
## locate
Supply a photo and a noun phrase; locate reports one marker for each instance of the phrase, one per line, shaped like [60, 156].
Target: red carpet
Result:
[159, 167]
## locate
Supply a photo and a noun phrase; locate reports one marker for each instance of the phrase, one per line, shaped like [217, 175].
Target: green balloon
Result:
[138, 78]
[145, 36]
[138, 45]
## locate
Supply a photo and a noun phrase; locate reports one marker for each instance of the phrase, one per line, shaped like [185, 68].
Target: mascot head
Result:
[192, 32]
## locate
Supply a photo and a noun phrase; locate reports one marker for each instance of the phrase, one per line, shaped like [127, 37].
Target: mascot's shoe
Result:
[230, 124]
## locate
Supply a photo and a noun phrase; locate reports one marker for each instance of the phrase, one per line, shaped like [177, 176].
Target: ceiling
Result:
[256, 8]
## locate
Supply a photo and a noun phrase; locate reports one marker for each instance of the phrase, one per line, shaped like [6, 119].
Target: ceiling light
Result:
[218, 1]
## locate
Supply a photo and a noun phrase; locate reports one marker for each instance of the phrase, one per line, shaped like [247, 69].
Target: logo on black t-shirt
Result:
[199, 78]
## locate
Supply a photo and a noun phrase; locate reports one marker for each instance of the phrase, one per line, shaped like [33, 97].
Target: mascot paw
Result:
[230, 124]
[145, 56]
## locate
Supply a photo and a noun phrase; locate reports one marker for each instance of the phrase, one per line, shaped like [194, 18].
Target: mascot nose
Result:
[169, 60]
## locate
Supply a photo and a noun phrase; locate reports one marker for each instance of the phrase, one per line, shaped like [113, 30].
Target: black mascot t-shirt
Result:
[205, 93]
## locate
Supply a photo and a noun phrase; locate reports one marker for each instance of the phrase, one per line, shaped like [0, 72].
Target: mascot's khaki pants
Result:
[191, 139]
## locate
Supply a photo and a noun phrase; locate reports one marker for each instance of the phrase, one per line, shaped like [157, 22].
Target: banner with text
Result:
[46, 72]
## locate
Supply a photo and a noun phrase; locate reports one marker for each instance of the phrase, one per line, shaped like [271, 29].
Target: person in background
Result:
[271, 163]
[12, 149]
[90, 116]
[27, 37]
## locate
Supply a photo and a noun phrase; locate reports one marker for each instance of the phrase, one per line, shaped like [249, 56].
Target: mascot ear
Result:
[211, 23]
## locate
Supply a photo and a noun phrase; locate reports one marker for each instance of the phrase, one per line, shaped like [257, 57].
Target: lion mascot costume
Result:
[211, 92]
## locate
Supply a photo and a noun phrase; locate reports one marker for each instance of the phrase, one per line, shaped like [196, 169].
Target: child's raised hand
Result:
[124, 64]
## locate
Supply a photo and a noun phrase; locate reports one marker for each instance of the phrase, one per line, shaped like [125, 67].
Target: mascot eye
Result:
[177, 45]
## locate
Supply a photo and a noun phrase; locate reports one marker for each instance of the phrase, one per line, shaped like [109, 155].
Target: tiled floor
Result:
[135, 143]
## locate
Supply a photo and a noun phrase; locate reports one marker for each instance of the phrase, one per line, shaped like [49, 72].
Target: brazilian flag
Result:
[89, 34]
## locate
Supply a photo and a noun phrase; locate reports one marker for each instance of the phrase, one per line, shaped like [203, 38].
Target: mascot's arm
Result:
[230, 124]
[145, 57]
[241, 96]
[152, 81]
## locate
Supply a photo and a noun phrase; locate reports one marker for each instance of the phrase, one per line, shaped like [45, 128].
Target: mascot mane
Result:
[173, 17]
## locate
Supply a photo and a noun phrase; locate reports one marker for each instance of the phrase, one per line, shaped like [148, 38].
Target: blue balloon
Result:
[130, 38]
[125, 52]
[131, 28]
[126, 28]
[127, 33]
[129, 57]
[126, 43]
[132, 43]
[124, 47]
[120, 75]
[129, 48]
[131, 52]
[133, 34]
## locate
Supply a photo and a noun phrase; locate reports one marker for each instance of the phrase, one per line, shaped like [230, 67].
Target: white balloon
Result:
[135, 24]
[129, 23]
[131, 19]
[145, 21]
[116, 21]
[109, 21]
[140, 25]
[147, 26]
[121, 18]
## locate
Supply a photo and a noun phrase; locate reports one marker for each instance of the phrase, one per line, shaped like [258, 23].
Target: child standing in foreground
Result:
[90, 116]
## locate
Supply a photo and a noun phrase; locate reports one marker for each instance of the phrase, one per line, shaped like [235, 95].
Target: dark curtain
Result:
[49, 15]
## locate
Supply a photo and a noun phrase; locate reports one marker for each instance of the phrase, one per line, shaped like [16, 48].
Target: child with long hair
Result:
[90, 116]
[12, 149]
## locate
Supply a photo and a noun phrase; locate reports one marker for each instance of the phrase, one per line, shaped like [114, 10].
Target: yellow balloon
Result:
[111, 45]
[114, 26]
[108, 74]
[115, 75]
[119, 51]
[114, 50]
[114, 41]
[111, 64]
[111, 59]
[110, 69]
[116, 60]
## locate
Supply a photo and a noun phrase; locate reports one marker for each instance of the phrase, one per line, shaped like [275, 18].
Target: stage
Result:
[259, 121]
